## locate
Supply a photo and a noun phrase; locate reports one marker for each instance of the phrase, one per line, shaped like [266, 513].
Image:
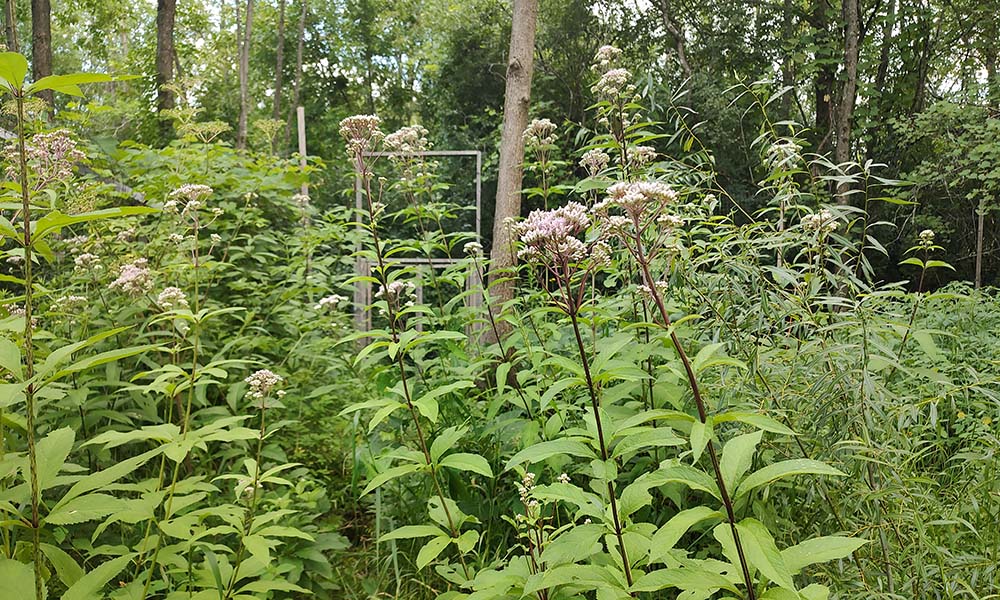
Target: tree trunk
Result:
[845, 109]
[787, 61]
[823, 84]
[883, 62]
[10, 25]
[297, 85]
[41, 44]
[241, 128]
[675, 29]
[279, 63]
[165, 12]
[517, 98]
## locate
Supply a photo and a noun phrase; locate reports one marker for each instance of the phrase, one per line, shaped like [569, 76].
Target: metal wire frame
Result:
[363, 289]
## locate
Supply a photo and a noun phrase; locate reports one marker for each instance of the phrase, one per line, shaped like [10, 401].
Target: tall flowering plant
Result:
[630, 479]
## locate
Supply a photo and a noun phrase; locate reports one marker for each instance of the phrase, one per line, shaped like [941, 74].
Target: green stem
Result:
[596, 406]
[29, 351]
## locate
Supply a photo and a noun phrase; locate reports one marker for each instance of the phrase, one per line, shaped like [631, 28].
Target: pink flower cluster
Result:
[134, 278]
[554, 232]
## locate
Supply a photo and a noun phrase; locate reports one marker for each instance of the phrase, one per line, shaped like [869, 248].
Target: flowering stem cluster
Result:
[361, 134]
[643, 206]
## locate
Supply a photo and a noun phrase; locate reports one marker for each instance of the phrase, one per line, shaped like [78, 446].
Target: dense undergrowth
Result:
[682, 401]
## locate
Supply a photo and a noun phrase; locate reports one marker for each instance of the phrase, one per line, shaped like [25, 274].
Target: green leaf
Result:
[51, 453]
[69, 84]
[575, 545]
[67, 569]
[84, 508]
[539, 452]
[431, 550]
[737, 456]
[17, 580]
[389, 475]
[647, 437]
[10, 358]
[756, 419]
[467, 462]
[446, 440]
[13, 68]
[701, 435]
[821, 549]
[411, 531]
[55, 220]
[467, 541]
[673, 530]
[427, 404]
[786, 468]
[89, 586]
[103, 358]
[686, 578]
[687, 475]
[105, 477]
[762, 553]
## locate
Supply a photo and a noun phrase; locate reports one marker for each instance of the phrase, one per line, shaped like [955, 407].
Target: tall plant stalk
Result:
[381, 273]
[29, 349]
[641, 257]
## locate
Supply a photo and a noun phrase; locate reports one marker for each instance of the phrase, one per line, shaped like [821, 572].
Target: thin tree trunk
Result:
[41, 44]
[10, 25]
[677, 30]
[241, 128]
[848, 96]
[823, 84]
[787, 62]
[883, 62]
[297, 85]
[517, 98]
[279, 63]
[165, 13]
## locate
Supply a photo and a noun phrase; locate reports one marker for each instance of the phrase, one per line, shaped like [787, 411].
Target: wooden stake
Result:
[300, 113]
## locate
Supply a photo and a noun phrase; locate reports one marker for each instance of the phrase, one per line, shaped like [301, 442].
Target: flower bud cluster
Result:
[539, 133]
[261, 383]
[362, 133]
[595, 161]
[172, 298]
[822, 222]
[329, 302]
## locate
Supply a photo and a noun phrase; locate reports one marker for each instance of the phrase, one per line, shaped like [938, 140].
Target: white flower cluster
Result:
[191, 192]
[70, 302]
[635, 198]
[595, 161]
[473, 249]
[301, 200]
[408, 140]
[126, 235]
[172, 298]
[641, 156]
[606, 57]
[134, 278]
[822, 222]
[524, 489]
[87, 262]
[927, 238]
[396, 294]
[261, 383]
[329, 302]
[539, 133]
[361, 132]
[613, 84]
[661, 288]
